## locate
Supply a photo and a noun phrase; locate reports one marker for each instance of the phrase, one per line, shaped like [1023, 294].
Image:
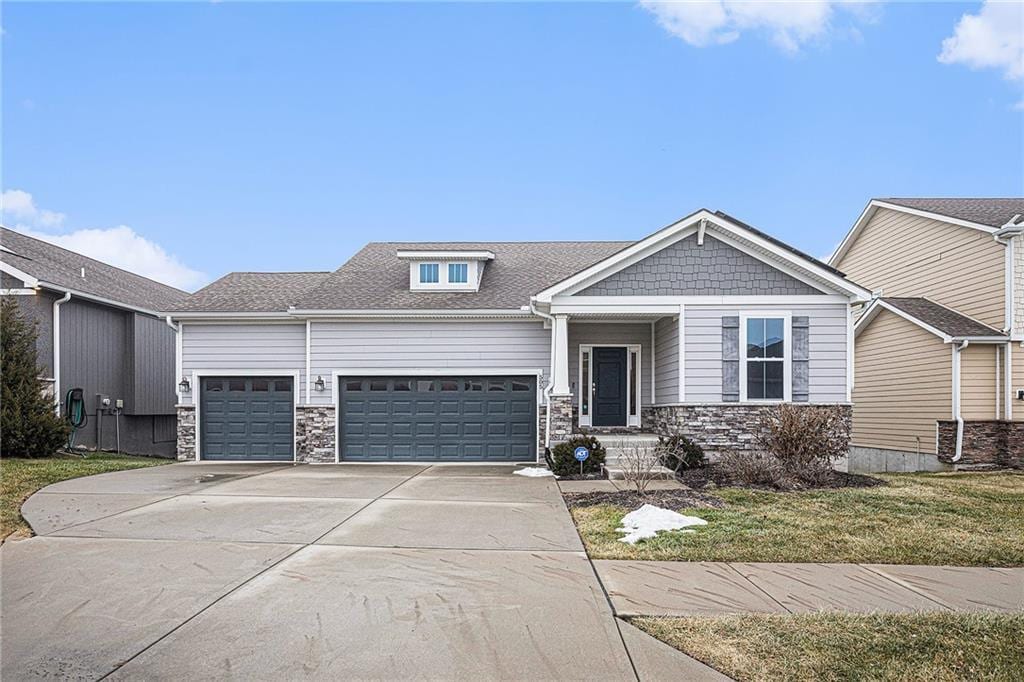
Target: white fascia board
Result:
[639, 303]
[99, 299]
[447, 254]
[875, 204]
[406, 314]
[28, 280]
[682, 229]
[228, 316]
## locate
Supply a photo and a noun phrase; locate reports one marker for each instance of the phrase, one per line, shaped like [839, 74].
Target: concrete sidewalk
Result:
[676, 588]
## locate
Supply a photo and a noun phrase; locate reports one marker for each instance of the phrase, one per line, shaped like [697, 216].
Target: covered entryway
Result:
[247, 418]
[440, 419]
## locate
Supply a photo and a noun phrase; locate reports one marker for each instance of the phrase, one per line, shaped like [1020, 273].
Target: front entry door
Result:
[609, 407]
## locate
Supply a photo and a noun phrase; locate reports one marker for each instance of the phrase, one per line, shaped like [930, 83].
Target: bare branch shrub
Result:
[754, 468]
[640, 465]
[678, 453]
[805, 439]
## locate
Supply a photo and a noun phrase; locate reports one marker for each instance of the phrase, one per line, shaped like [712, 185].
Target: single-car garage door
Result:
[246, 418]
[440, 419]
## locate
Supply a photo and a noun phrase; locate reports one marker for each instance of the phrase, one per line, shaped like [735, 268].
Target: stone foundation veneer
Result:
[986, 443]
[561, 418]
[716, 427]
[314, 434]
[186, 432]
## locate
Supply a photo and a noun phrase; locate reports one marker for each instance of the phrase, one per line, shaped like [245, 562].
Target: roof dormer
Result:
[445, 270]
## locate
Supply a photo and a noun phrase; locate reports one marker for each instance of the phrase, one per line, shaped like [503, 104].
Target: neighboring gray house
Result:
[489, 351]
[99, 331]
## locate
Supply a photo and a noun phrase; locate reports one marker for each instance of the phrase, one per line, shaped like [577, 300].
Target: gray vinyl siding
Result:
[599, 333]
[38, 308]
[153, 384]
[240, 347]
[457, 345]
[703, 335]
[94, 351]
[666, 358]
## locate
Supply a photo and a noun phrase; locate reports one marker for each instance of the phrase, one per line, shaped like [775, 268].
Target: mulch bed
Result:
[668, 499]
[713, 476]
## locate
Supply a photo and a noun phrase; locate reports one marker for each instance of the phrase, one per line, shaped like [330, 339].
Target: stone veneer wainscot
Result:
[985, 443]
[186, 432]
[314, 433]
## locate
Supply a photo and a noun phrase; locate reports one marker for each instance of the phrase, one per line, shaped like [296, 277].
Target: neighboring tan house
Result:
[939, 367]
[489, 351]
[99, 332]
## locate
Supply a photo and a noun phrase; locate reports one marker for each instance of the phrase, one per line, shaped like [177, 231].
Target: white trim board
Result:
[721, 228]
[588, 386]
[872, 208]
[787, 356]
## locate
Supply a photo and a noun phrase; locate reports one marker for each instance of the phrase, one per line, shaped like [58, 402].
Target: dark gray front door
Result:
[246, 418]
[609, 387]
[439, 419]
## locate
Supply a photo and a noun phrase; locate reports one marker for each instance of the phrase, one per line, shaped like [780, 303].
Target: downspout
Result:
[551, 373]
[56, 349]
[176, 328]
[956, 401]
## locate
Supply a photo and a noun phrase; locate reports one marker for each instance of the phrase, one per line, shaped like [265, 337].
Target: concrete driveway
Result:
[268, 571]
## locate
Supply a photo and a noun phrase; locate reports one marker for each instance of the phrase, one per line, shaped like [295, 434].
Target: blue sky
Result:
[188, 140]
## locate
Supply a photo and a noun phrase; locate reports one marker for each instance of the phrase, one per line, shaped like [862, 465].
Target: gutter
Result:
[551, 372]
[176, 328]
[957, 415]
[56, 349]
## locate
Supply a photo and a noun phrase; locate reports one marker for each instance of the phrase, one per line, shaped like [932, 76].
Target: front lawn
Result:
[935, 646]
[19, 478]
[959, 519]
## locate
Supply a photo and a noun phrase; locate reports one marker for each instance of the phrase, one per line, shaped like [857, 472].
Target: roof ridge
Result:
[88, 258]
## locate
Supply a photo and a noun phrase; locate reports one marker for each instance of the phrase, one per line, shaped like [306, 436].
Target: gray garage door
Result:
[246, 418]
[439, 419]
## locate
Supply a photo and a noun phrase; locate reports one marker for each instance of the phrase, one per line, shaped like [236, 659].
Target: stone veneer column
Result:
[314, 434]
[186, 432]
[561, 418]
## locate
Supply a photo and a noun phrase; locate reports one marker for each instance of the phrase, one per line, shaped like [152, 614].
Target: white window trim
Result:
[449, 271]
[588, 386]
[419, 273]
[198, 374]
[787, 354]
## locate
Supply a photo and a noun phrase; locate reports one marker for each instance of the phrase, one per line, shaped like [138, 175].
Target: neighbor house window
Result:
[458, 273]
[765, 358]
[428, 273]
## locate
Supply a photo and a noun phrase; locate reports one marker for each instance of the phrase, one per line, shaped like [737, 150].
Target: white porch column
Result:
[560, 368]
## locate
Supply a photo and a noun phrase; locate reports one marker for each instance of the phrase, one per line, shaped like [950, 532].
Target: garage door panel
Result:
[246, 418]
[439, 418]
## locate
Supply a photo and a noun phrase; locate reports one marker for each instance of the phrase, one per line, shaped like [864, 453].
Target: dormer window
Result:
[429, 273]
[454, 270]
[458, 273]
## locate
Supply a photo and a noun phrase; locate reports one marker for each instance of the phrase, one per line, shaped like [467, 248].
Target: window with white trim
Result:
[458, 273]
[429, 273]
[765, 358]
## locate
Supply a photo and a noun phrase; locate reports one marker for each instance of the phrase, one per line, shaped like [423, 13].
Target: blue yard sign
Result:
[581, 453]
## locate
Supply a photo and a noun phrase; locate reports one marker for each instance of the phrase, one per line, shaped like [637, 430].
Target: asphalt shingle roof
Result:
[55, 265]
[375, 278]
[942, 318]
[991, 212]
[258, 292]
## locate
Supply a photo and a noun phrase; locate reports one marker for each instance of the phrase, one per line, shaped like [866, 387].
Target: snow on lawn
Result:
[533, 472]
[646, 521]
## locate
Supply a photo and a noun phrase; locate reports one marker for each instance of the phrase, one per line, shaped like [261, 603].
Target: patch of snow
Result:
[533, 472]
[646, 521]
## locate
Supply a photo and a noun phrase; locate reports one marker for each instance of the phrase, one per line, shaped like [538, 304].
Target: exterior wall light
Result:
[319, 384]
[184, 386]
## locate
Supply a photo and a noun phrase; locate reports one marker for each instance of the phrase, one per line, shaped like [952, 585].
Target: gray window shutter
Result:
[730, 359]
[801, 359]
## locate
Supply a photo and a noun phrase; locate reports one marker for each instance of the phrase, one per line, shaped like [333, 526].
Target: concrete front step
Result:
[617, 473]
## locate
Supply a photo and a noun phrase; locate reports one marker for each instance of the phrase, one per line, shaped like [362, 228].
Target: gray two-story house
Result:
[98, 331]
[490, 351]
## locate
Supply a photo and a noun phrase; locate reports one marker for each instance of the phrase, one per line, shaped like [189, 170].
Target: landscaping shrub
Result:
[563, 463]
[28, 424]
[679, 453]
[805, 439]
[753, 468]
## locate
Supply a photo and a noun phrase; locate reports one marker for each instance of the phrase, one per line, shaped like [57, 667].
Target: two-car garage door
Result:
[384, 418]
[442, 419]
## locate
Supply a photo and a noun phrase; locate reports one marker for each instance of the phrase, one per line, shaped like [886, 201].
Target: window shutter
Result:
[801, 359]
[730, 359]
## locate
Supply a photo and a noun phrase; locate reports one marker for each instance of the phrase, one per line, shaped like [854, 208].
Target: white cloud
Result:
[120, 246]
[991, 39]
[788, 25]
